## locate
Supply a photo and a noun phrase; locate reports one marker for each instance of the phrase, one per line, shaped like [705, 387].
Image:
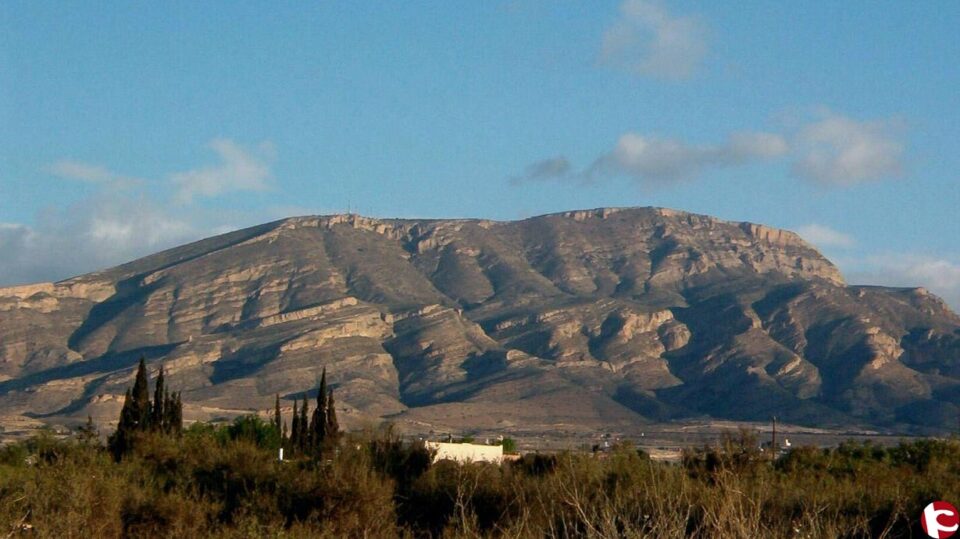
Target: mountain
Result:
[602, 318]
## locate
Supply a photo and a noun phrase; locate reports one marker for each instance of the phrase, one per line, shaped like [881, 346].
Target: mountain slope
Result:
[585, 319]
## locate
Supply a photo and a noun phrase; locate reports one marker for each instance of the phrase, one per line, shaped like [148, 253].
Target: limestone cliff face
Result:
[636, 313]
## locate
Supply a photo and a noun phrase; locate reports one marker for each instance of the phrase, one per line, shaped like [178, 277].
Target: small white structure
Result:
[466, 452]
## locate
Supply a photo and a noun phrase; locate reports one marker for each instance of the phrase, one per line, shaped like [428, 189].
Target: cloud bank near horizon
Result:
[121, 221]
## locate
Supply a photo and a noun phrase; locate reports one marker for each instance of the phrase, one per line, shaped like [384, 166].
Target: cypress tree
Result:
[119, 441]
[295, 428]
[320, 415]
[276, 414]
[322, 393]
[178, 415]
[158, 413]
[318, 425]
[305, 433]
[141, 397]
[283, 436]
[333, 427]
[168, 411]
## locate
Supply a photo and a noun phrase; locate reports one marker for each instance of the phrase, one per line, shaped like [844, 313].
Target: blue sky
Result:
[129, 127]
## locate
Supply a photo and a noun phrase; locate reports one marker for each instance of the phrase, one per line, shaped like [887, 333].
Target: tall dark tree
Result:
[333, 427]
[169, 411]
[158, 415]
[322, 393]
[138, 414]
[295, 428]
[120, 441]
[305, 433]
[177, 426]
[141, 397]
[318, 425]
[277, 420]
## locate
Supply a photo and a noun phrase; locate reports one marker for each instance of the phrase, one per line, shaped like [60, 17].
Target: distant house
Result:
[466, 452]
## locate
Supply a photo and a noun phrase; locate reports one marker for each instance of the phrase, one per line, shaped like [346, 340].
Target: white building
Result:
[466, 452]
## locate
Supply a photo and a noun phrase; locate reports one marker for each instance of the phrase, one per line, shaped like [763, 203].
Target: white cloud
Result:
[97, 232]
[824, 236]
[940, 275]
[114, 225]
[836, 150]
[656, 160]
[648, 40]
[85, 172]
[832, 150]
[238, 170]
[663, 160]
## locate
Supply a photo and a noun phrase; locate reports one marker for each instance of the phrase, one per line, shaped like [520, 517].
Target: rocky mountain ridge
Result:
[585, 319]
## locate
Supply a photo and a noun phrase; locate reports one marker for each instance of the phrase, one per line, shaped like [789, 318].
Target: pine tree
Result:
[158, 417]
[295, 428]
[333, 427]
[141, 397]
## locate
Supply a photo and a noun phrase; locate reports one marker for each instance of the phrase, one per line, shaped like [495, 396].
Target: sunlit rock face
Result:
[594, 318]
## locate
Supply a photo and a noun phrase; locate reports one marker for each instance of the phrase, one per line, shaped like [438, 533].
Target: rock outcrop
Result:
[587, 318]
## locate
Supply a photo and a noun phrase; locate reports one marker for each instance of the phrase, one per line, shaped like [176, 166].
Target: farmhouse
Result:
[466, 452]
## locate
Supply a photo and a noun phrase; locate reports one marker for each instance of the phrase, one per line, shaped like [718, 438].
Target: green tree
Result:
[120, 441]
[305, 434]
[141, 397]
[332, 426]
[295, 428]
[177, 426]
[158, 415]
[318, 423]
[277, 421]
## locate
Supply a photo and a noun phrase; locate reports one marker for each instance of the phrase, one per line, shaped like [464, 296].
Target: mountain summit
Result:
[585, 319]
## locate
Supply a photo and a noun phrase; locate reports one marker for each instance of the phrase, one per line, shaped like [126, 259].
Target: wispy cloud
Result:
[647, 39]
[239, 169]
[837, 150]
[824, 236]
[99, 231]
[96, 174]
[653, 160]
[546, 169]
[113, 225]
[830, 150]
[940, 275]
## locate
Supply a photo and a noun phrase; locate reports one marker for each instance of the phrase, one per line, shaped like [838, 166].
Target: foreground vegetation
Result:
[226, 482]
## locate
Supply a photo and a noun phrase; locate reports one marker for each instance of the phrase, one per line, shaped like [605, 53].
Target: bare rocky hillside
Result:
[582, 320]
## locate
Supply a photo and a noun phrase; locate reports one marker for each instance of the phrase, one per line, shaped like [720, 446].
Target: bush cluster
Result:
[225, 481]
